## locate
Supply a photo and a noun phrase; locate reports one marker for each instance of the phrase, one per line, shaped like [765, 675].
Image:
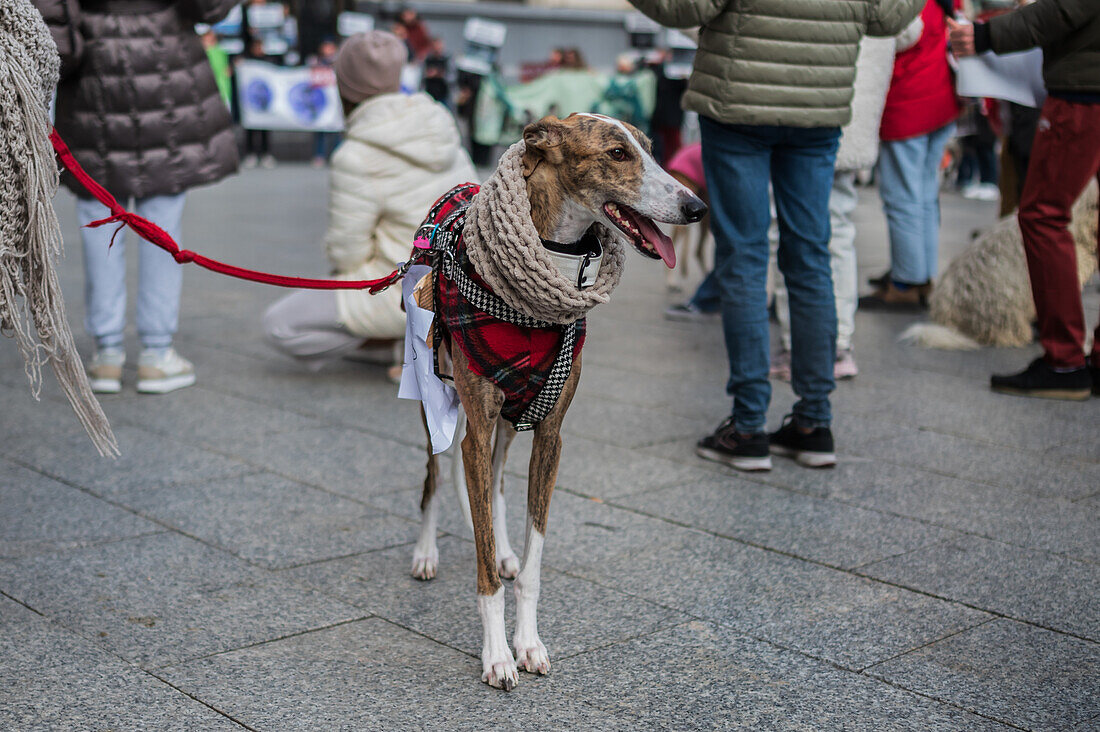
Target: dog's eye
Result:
[617, 153]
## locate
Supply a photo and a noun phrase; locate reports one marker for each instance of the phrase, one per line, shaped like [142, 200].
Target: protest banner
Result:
[283, 98]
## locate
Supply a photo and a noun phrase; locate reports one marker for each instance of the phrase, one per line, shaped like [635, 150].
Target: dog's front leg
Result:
[507, 561]
[531, 654]
[482, 401]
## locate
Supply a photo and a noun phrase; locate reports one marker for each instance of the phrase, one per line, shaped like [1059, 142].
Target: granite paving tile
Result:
[704, 676]
[100, 693]
[574, 615]
[1031, 472]
[38, 514]
[30, 642]
[804, 526]
[341, 460]
[147, 460]
[1054, 524]
[1024, 584]
[163, 598]
[203, 416]
[269, 520]
[626, 425]
[823, 612]
[375, 675]
[1016, 673]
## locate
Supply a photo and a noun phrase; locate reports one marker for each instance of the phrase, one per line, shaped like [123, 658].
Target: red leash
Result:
[154, 234]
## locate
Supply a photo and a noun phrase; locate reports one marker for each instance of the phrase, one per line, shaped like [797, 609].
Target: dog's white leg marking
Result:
[426, 553]
[507, 561]
[498, 668]
[458, 473]
[531, 654]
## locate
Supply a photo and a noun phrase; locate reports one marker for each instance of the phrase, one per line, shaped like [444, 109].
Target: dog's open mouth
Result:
[642, 232]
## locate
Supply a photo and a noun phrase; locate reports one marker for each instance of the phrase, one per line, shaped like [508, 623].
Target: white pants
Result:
[842, 259]
[306, 325]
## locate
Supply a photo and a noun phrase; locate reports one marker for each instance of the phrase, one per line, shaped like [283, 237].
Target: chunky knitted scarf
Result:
[31, 308]
[506, 251]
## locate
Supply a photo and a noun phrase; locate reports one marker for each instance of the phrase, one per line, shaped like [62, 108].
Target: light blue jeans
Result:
[910, 188]
[160, 279]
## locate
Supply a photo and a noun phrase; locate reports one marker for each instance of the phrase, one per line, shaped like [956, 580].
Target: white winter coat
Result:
[874, 68]
[400, 153]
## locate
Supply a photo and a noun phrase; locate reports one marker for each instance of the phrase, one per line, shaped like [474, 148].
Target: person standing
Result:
[1065, 156]
[917, 123]
[140, 109]
[772, 83]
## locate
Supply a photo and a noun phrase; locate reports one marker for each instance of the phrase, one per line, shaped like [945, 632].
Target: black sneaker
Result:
[728, 447]
[1095, 371]
[814, 450]
[1040, 380]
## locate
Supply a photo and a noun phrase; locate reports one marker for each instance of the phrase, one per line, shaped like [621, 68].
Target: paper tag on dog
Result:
[418, 379]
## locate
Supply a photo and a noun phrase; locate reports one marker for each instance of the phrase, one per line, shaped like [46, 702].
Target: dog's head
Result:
[589, 169]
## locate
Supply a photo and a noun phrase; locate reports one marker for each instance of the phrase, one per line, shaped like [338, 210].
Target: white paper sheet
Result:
[1014, 77]
[418, 379]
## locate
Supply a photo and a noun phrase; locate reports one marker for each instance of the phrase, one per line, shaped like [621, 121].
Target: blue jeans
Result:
[160, 279]
[909, 184]
[739, 160]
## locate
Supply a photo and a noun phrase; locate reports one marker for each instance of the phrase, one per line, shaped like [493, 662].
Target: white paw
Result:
[425, 563]
[508, 567]
[533, 658]
[501, 672]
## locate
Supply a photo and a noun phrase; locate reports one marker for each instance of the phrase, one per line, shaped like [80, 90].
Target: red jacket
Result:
[922, 91]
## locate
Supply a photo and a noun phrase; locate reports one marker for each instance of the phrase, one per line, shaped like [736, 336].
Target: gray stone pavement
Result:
[245, 564]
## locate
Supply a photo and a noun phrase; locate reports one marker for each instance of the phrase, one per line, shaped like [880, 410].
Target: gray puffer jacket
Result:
[138, 103]
[778, 62]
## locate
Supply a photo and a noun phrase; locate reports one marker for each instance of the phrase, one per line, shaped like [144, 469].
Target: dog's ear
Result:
[542, 139]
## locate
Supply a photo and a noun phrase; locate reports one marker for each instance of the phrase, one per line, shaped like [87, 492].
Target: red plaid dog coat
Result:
[515, 358]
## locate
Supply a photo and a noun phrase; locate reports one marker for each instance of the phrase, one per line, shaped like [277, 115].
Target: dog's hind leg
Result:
[426, 553]
[507, 561]
[482, 401]
[531, 654]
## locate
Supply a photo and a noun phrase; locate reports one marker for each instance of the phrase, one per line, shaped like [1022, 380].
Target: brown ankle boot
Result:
[891, 298]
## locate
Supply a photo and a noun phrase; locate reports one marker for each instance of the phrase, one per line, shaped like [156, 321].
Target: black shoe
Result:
[814, 450]
[879, 282]
[727, 446]
[1040, 380]
[1095, 371]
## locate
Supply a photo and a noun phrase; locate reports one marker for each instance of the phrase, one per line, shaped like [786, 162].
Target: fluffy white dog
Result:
[983, 298]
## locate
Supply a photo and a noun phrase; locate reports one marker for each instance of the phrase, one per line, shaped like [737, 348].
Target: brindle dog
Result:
[582, 170]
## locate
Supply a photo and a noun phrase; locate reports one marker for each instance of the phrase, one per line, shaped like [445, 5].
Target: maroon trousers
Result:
[1064, 157]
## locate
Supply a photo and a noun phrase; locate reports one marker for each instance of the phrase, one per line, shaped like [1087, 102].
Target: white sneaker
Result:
[161, 370]
[105, 370]
[988, 192]
[268, 162]
[250, 161]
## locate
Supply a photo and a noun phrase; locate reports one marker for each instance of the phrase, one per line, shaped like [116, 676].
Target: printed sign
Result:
[281, 98]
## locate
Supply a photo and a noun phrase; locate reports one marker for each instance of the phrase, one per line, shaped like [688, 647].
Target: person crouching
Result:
[400, 153]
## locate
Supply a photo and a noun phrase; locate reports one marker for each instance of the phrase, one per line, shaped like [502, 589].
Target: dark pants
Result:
[1064, 157]
[739, 161]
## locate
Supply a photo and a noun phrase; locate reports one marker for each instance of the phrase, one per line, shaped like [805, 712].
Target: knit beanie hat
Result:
[368, 64]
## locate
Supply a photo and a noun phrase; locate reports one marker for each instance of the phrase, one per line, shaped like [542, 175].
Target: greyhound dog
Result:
[584, 170]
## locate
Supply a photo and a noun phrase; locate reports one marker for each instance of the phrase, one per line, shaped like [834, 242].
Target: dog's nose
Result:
[694, 209]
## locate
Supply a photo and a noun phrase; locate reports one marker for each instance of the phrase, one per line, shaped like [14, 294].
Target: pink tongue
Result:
[658, 239]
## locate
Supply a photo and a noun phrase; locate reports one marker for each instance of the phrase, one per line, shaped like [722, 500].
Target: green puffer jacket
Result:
[778, 62]
[1067, 30]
